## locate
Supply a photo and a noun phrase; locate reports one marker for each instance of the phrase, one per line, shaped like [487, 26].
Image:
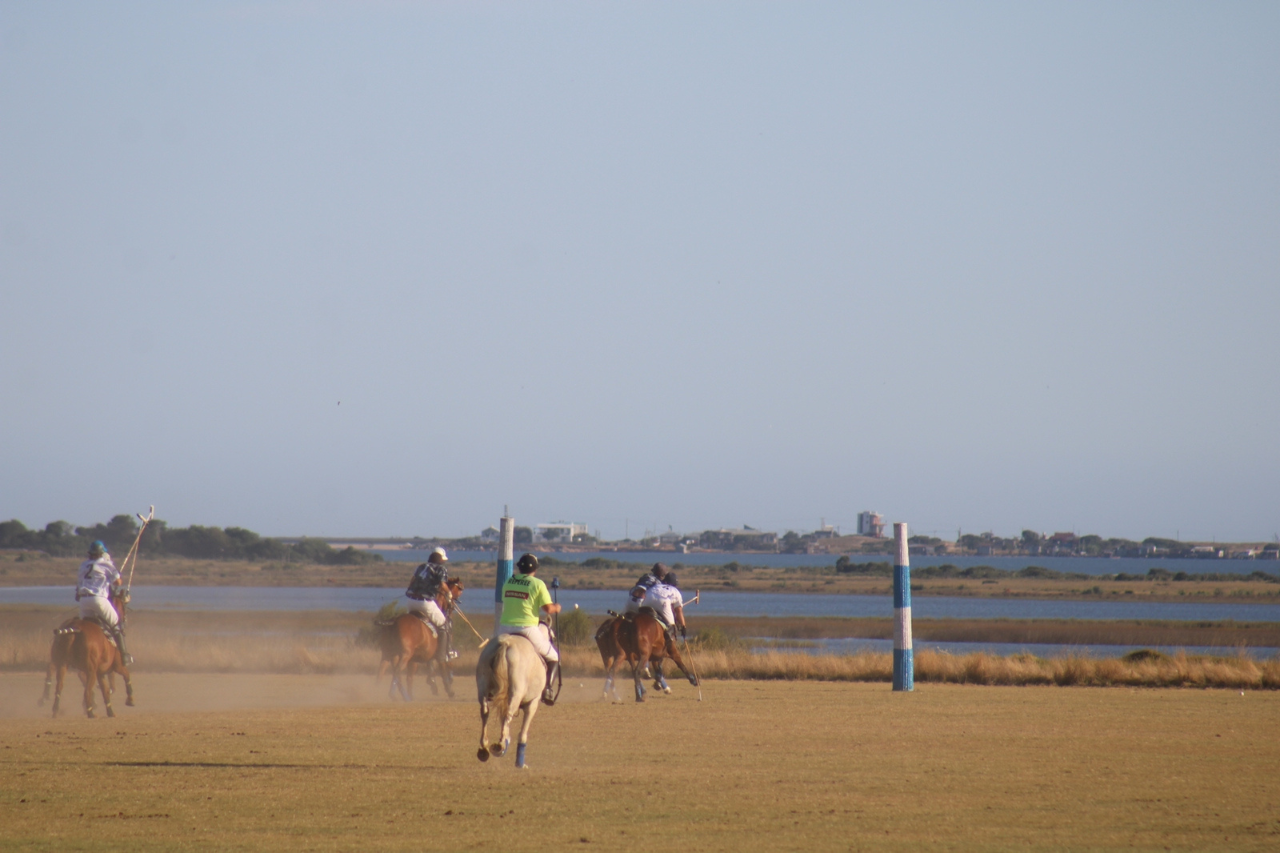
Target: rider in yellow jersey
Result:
[524, 599]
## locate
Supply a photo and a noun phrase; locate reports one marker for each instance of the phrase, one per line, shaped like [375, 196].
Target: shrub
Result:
[1138, 655]
[575, 627]
[716, 638]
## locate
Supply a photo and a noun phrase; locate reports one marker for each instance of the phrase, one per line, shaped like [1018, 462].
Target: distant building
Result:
[489, 534]
[558, 531]
[826, 531]
[744, 538]
[871, 524]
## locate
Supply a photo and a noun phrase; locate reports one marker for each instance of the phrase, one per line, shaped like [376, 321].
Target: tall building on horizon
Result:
[871, 524]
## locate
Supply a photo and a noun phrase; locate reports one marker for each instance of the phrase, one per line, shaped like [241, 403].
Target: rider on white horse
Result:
[420, 598]
[98, 577]
[524, 599]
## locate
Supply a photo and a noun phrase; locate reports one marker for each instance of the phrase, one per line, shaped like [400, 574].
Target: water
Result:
[711, 604]
[852, 646]
[1078, 565]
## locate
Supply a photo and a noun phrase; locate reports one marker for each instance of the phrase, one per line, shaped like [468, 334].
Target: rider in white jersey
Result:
[98, 577]
[668, 603]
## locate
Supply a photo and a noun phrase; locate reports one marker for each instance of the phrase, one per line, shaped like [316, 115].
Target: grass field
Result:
[321, 763]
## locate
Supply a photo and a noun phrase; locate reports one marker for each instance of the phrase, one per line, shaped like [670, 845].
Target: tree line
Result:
[62, 539]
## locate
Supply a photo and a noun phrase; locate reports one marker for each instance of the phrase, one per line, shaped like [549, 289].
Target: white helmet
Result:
[439, 552]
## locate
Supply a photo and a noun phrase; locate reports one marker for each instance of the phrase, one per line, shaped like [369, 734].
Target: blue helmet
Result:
[98, 548]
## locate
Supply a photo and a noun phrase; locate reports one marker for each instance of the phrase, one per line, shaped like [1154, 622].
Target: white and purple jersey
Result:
[662, 598]
[98, 576]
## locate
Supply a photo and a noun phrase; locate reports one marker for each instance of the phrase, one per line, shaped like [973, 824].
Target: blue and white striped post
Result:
[904, 674]
[506, 559]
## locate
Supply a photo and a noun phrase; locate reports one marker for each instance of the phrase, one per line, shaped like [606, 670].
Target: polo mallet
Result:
[689, 650]
[133, 551]
[555, 632]
[482, 639]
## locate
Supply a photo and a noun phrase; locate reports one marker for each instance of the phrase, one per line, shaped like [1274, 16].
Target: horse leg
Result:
[446, 674]
[430, 675]
[398, 666]
[88, 682]
[674, 654]
[48, 683]
[610, 665]
[659, 681]
[57, 693]
[128, 685]
[483, 752]
[613, 680]
[500, 748]
[637, 670]
[103, 679]
[523, 740]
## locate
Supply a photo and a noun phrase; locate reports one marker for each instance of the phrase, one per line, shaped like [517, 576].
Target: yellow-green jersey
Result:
[522, 600]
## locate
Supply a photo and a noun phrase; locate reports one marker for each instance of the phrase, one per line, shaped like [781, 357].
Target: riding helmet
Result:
[528, 563]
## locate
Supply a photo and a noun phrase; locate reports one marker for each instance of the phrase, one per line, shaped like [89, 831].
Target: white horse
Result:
[510, 676]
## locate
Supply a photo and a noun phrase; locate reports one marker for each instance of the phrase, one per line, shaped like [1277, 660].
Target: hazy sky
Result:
[980, 266]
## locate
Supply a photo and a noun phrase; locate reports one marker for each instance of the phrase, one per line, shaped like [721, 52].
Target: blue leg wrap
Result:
[520, 754]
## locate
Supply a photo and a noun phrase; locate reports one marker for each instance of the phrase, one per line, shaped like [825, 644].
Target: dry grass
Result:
[1180, 670]
[1094, 632]
[324, 642]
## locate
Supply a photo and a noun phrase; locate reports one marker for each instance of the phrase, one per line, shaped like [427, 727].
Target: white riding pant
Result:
[538, 634]
[429, 609]
[98, 607]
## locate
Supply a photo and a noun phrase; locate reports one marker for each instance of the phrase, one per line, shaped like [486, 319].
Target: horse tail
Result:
[500, 687]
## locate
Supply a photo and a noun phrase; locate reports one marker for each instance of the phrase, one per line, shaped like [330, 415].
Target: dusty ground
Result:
[322, 763]
[32, 571]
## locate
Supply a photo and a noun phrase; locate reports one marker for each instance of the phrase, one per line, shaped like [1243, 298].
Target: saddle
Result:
[70, 627]
[390, 623]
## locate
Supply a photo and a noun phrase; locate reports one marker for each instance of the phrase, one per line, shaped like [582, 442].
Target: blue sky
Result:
[979, 266]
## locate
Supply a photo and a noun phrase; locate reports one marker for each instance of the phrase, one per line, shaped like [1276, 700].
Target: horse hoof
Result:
[666, 690]
[499, 749]
[89, 714]
[129, 702]
[110, 711]
[482, 754]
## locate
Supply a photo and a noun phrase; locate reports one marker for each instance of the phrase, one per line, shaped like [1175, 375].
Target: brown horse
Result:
[407, 641]
[82, 645]
[638, 640]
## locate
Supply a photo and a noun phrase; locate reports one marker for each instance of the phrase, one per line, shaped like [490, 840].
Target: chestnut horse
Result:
[637, 640]
[82, 645]
[407, 641]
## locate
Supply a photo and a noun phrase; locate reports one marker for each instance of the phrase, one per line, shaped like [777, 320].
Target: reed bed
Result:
[1180, 670]
[321, 643]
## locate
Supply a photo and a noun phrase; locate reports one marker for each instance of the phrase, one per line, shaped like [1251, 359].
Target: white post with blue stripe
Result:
[506, 560]
[904, 669]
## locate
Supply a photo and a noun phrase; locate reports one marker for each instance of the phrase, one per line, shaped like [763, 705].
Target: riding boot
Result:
[548, 693]
[450, 652]
[118, 634]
